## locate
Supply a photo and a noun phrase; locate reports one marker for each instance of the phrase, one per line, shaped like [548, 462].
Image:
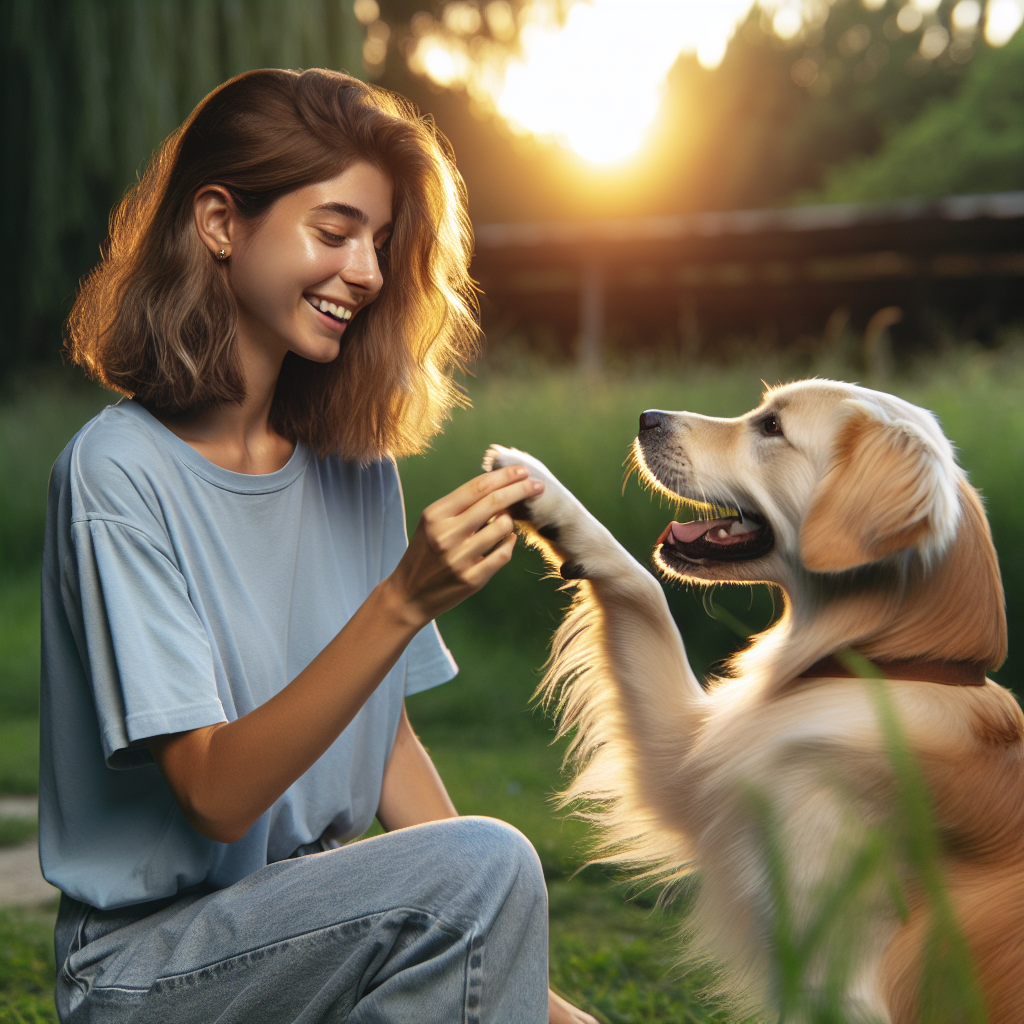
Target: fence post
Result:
[589, 355]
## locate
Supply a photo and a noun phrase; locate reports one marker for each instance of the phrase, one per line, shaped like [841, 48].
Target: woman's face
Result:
[311, 263]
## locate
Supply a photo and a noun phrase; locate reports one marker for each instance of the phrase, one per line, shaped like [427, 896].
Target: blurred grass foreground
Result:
[616, 955]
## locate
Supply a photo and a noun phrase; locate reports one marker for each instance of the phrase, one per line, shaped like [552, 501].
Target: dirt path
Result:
[21, 882]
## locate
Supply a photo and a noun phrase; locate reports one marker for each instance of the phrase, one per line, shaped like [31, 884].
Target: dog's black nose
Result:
[651, 418]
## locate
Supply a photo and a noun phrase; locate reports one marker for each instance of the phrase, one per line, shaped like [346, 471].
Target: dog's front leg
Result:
[618, 662]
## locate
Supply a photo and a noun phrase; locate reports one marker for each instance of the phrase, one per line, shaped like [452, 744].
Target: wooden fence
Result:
[705, 283]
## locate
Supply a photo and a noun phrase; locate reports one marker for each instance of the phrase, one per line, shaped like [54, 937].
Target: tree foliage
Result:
[768, 125]
[775, 116]
[90, 89]
[972, 141]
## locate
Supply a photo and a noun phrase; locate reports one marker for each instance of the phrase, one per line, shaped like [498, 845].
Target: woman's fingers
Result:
[474, 490]
[496, 502]
[560, 1011]
[484, 568]
[463, 539]
[477, 544]
[447, 531]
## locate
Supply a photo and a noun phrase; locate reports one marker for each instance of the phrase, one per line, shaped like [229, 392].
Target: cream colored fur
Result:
[881, 545]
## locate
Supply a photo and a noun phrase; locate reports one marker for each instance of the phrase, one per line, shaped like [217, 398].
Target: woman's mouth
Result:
[336, 314]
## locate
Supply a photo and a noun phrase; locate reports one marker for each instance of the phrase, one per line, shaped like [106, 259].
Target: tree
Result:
[764, 128]
[972, 141]
[90, 89]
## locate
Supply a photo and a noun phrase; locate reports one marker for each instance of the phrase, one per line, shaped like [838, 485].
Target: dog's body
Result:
[851, 502]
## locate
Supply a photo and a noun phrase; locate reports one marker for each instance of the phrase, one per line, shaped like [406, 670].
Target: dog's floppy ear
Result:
[889, 487]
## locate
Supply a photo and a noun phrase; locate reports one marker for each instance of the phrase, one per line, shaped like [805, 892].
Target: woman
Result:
[231, 618]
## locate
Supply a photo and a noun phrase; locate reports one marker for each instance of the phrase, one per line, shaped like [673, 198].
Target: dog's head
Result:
[822, 488]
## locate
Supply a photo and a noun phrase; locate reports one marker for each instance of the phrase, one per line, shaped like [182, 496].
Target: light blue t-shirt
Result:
[175, 595]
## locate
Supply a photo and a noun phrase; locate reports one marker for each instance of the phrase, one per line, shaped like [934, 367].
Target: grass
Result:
[19, 756]
[613, 956]
[15, 831]
[26, 965]
[618, 958]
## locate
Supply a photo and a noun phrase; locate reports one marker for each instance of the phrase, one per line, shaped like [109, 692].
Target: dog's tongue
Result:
[686, 533]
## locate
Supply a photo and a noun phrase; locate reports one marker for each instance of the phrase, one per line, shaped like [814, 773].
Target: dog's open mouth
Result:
[733, 538]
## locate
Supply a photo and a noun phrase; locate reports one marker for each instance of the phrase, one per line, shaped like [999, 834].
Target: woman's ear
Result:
[216, 219]
[888, 489]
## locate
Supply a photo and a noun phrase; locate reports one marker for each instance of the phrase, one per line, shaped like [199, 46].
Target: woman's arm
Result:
[225, 776]
[412, 792]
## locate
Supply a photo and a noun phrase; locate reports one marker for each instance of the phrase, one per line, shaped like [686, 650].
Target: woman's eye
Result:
[333, 239]
[771, 425]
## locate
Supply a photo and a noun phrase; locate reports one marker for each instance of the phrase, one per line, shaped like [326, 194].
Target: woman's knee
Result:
[494, 850]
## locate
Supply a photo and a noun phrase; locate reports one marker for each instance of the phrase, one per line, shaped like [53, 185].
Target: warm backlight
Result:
[590, 81]
[589, 74]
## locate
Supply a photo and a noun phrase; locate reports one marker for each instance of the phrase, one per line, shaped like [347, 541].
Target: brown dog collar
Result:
[949, 673]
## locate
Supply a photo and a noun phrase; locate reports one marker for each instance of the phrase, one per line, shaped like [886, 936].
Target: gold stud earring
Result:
[222, 255]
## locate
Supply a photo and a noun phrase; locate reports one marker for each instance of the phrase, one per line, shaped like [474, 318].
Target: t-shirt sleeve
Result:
[428, 661]
[147, 654]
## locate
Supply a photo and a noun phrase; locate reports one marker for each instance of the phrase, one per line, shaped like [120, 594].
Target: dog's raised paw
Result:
[572, 571]
[540, 512]
[498, 457]
[554, 520]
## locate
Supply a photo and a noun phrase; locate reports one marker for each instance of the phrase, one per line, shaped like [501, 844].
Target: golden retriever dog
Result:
[852, 504]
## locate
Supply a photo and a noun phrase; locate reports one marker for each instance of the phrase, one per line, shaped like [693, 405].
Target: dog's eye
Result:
[770, 425]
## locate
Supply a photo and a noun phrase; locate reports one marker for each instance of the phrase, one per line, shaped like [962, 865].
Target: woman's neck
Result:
[239, 437]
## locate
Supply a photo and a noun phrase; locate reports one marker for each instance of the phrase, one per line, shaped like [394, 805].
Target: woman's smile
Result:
[334, 310]
[333, 315]
[319, 244]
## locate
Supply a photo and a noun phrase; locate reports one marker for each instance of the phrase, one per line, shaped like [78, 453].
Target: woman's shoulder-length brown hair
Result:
[155, 319]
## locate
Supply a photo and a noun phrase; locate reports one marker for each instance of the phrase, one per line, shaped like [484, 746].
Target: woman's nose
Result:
[362, 270]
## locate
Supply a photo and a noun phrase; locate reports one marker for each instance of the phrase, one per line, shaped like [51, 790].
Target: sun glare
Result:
[589, 74]
[590, 80]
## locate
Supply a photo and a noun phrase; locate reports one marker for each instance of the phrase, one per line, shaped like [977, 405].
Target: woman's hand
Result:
[225, 776]
[460, 542]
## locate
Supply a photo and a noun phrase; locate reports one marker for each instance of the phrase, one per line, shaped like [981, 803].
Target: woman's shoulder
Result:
[374, 480]
[113, 461]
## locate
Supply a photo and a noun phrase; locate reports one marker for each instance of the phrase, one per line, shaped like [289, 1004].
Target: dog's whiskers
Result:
[632, 465]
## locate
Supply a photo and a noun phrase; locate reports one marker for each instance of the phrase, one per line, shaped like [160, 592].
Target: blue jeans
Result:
[445, 922]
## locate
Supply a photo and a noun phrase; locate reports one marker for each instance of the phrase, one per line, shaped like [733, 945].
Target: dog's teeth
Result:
[742, 527]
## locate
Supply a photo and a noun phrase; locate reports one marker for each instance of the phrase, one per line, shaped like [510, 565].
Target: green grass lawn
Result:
[26, 965]
[615, 956]
[19, 755]
[15, 831]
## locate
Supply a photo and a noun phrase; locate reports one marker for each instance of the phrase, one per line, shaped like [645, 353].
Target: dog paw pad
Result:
[572, 571]
[520, 511]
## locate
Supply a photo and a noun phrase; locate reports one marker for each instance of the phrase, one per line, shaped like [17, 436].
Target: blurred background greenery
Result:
[687, 105]
[765, 104]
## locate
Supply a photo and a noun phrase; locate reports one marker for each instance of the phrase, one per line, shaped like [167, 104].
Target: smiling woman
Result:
[157, 318]
[232, 614]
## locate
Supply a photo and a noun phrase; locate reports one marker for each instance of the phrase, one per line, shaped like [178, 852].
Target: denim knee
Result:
[496, 848]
